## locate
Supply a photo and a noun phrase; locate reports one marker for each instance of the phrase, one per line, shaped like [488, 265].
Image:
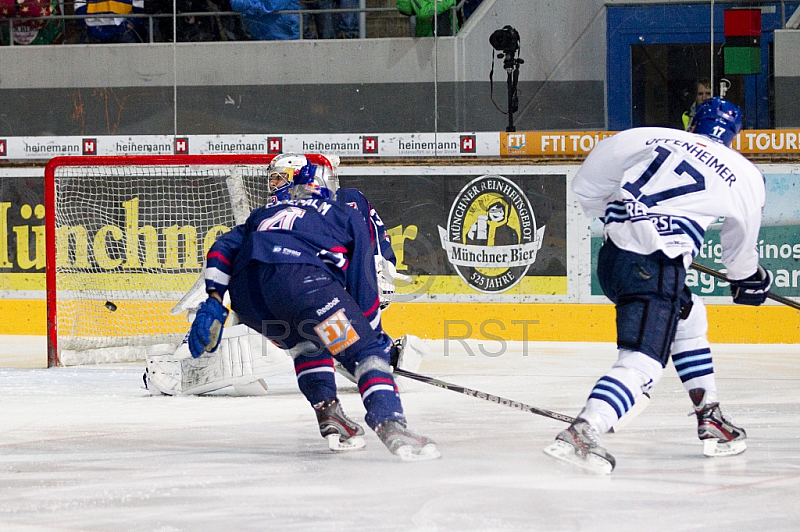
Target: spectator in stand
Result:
[318, 25]
[424, 11]
[196, 28]
[263, 22]
[468, 8]
[35, 31]
[347, 24]
[115, 26]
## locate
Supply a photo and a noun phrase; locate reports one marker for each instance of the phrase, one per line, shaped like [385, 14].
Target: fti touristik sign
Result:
[491, 238]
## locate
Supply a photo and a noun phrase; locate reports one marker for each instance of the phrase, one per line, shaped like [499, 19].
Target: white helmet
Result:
[282, 170]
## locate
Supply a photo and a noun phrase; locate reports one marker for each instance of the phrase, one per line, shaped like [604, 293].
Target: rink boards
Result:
[460, 288]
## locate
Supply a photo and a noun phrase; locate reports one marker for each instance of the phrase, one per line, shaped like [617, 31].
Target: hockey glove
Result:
[206, 331]
[753, 290]
[387, 275]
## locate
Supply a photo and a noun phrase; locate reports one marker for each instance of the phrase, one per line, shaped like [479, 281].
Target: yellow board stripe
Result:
[557, 322]
[577, 322]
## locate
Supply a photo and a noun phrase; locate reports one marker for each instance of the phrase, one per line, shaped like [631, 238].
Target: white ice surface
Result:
[87, 449]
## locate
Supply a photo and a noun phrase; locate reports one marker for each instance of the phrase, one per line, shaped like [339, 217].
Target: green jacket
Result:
[424, 11]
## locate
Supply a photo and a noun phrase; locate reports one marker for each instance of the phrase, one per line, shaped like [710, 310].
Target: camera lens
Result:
[505, 39]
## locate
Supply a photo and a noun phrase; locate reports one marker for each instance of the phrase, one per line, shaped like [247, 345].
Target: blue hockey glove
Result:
[206, 331]
[753, 290]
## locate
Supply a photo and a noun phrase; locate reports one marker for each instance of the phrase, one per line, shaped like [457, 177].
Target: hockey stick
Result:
[713, 273]
[516, 405]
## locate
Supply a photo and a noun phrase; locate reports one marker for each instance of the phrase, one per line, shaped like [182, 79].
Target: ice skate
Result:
[342, 433]
[406, 444]
[719, 435]
[580, 446]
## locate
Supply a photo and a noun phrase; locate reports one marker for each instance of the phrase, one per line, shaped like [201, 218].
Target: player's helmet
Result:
[313, 180]
[281, 173]
[717, 119]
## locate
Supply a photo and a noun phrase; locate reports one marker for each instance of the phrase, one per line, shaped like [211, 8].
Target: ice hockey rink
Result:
[86, 449]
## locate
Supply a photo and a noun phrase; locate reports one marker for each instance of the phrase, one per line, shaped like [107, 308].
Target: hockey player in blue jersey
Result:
[301, 272]
[407, 350]
[244, 360]
[385, 260]
[657, 191]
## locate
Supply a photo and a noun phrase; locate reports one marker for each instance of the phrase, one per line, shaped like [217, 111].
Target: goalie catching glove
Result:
[753, 290]
[206, 331]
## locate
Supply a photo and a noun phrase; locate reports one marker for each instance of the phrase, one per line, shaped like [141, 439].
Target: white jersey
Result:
[660, 189]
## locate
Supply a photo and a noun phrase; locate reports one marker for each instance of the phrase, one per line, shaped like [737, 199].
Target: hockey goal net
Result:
[126, 238]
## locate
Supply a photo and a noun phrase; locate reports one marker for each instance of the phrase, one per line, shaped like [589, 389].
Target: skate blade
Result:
[354, 443]
[410, 453]
[713, 448]
[564, 452]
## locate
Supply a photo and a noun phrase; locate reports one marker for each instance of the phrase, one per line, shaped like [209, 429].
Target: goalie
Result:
[245, 359]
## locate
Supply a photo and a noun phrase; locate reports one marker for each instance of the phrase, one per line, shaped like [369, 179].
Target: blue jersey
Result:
[307, 231]
[355, 199]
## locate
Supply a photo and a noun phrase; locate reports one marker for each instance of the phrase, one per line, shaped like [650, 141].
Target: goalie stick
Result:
[713, 273]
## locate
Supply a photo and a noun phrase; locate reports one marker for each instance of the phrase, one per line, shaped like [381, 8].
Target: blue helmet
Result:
[717, 119]
[315, 179]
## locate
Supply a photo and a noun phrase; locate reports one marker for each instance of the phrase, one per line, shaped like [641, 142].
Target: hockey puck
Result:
[110, 306]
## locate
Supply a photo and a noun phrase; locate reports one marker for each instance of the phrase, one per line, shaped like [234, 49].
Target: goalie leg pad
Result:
[410, 352]
[243, 359]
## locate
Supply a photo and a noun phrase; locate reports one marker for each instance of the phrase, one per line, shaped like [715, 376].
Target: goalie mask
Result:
[315, 180]
[281, 173]
[717, 119]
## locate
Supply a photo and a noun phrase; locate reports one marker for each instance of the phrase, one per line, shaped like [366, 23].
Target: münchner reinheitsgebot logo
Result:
[491, 237]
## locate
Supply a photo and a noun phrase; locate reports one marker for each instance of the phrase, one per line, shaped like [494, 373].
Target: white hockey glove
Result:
[387, 275]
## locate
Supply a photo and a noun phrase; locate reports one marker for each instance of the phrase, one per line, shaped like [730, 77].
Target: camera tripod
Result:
[511, 64]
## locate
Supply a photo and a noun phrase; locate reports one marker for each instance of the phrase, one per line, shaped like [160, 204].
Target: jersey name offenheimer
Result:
[702, 155]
